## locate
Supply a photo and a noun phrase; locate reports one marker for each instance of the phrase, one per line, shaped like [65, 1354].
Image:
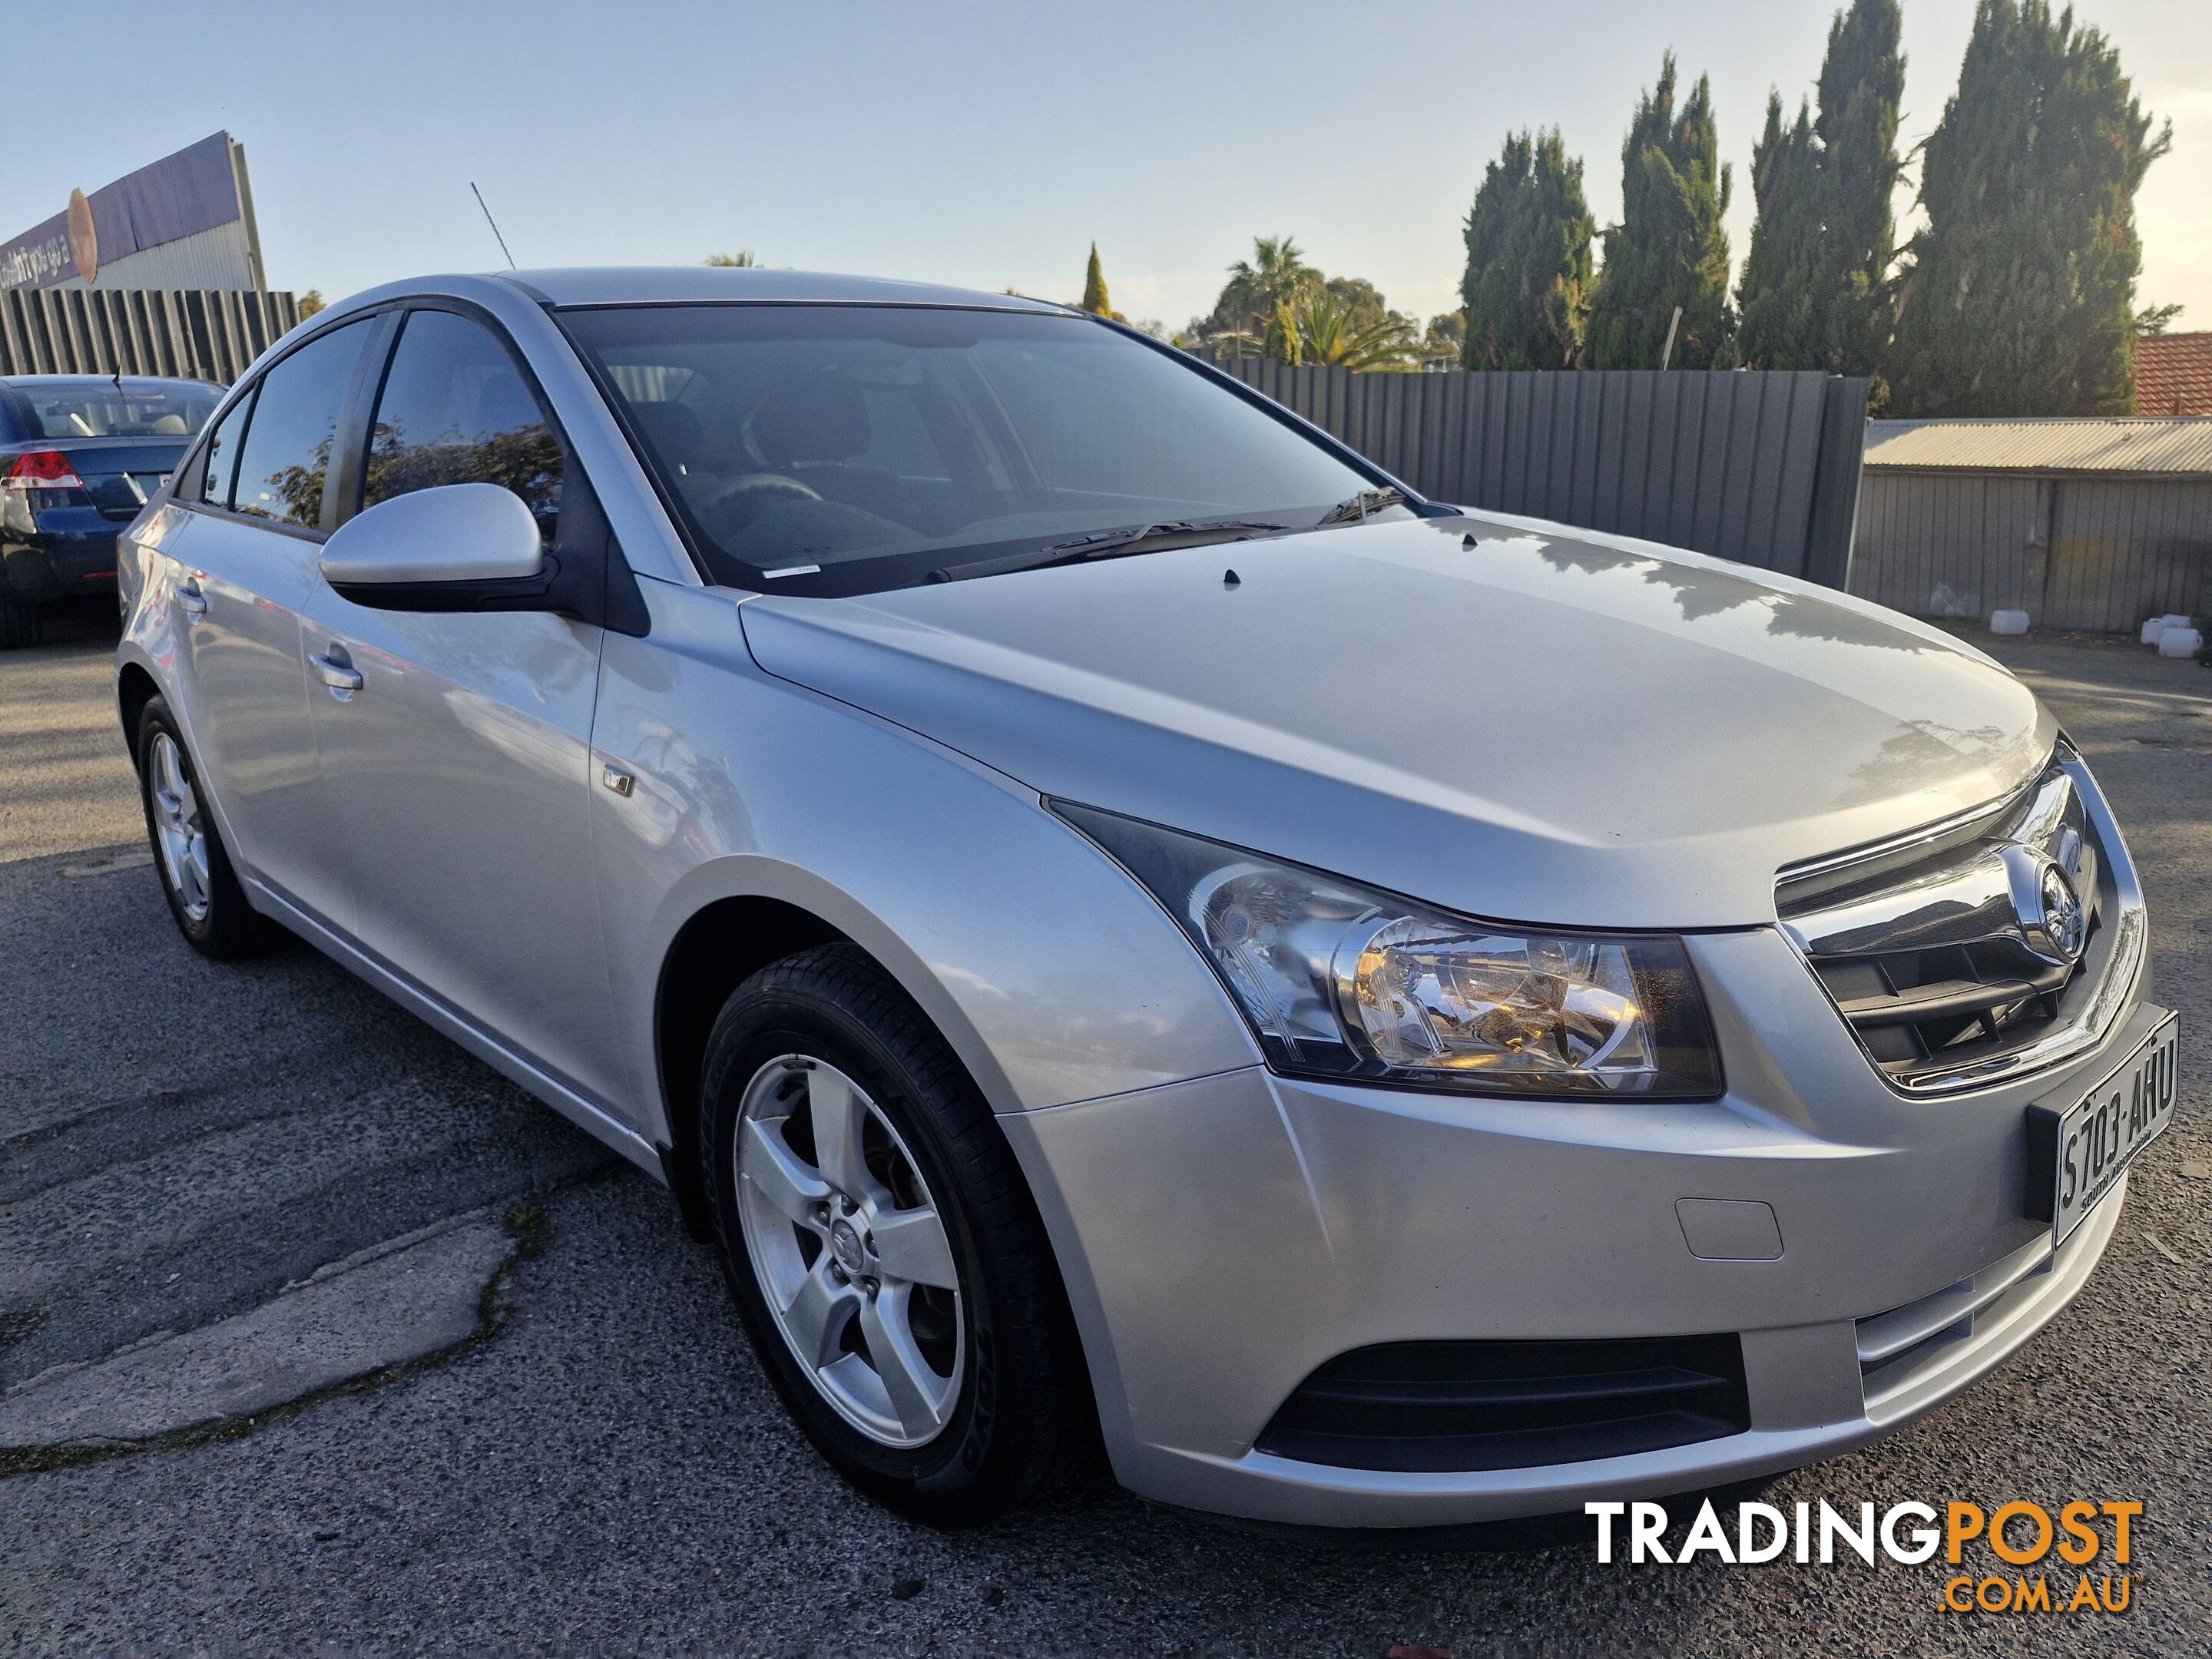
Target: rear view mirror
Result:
[454, 537]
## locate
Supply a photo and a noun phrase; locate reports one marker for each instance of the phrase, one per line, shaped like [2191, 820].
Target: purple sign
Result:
[191, 190]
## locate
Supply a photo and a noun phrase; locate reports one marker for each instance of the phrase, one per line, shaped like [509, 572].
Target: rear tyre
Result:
[20, 625]
[883, 1249]
[203, 890]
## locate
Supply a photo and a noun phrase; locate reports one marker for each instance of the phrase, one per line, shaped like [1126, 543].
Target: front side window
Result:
[842, 448]
[454, 410]
[286, 459]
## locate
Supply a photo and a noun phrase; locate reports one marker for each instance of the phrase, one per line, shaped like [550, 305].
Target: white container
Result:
[2008, 622]
[2151, 629]
[2180, 642]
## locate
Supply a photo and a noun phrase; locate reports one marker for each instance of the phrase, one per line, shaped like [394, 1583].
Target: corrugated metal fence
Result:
[209, 334]
[2098, 554]
[1760, 467]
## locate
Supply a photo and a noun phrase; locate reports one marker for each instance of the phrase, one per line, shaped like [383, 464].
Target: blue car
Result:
[79, 456]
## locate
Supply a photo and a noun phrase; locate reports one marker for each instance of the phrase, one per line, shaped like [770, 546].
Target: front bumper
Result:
[1223, 1238]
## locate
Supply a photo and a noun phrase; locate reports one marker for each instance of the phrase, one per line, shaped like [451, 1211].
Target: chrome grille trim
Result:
[1913, 843]
[1935, 947]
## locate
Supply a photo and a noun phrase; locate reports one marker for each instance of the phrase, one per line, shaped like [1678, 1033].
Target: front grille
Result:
[1442, 1406]
[1953, 957]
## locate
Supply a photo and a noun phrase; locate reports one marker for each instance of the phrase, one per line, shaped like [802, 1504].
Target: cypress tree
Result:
[1862, 86]
[1780, 303]
[1094, 299]
[1817, 291]
[1668, 249]
[1527, 287]
[2021, 294]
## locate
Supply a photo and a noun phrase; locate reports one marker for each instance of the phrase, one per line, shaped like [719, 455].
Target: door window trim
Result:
[344, 502]
[248, 391]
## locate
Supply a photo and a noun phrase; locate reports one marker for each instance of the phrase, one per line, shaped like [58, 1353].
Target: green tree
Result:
[1817, 289]
[1319, 325]
[2020, 297]
[1095, 299]
[1668, 249]
[1256, 289]
[1444, 344]
[1527, 288]
[1861, 87]
[743, 259]
[1276, 304]
[1781, 310]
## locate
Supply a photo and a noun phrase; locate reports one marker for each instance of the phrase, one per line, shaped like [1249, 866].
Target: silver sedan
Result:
[1124, 926]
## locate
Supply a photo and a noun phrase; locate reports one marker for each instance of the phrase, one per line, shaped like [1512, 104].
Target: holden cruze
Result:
[1120, 923]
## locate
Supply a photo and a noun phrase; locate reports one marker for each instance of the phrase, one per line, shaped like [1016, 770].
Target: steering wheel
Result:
[758, 483]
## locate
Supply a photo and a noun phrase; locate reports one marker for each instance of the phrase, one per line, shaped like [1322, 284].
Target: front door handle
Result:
[340, 675]
[192, 601]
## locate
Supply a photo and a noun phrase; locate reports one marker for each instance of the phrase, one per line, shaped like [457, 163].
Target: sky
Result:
[979, 144]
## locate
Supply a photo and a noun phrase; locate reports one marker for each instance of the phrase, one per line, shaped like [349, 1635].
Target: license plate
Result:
[2081, 1153]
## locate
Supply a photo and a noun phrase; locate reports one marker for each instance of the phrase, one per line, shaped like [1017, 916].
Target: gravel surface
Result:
[599, 1465]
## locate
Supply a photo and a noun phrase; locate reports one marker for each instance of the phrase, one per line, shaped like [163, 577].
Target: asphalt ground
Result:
[587, 1459]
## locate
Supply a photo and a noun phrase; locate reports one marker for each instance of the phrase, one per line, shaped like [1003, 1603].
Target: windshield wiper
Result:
[1356, 508]
[1108, 544]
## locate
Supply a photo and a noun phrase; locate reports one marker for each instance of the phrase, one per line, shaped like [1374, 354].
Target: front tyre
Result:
[883, 1249]
[203, 890]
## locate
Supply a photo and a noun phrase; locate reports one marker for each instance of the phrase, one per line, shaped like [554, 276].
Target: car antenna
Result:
[493, 223]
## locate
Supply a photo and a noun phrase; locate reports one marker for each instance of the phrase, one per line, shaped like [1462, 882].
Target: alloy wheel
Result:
[180, 836]
[849, 1250]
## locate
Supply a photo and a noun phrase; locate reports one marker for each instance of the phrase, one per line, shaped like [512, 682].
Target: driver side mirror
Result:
[457, 547]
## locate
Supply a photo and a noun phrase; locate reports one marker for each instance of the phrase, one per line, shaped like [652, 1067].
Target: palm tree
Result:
[1259, 286]
[1318, 327]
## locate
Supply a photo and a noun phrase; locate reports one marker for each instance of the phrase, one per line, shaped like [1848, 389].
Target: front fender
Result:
[1054, 977]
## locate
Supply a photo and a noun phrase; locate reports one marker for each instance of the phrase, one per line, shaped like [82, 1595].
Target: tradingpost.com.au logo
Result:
[2014, 1557]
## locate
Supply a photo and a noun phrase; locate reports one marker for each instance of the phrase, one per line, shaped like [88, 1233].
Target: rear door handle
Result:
[193, 601]
[343, 677]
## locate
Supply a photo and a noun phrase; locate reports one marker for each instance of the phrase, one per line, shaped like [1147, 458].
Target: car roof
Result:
[666, 284]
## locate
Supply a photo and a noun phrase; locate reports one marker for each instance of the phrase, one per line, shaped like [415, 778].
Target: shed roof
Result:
[2137, 447]
[2173, 374]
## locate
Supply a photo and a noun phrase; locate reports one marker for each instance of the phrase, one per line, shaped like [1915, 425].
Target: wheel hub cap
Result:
[844, 1245]
[179, 838]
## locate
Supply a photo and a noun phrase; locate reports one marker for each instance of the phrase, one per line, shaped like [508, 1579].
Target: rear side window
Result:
[219, 457]
[454, 410]
[287, 457]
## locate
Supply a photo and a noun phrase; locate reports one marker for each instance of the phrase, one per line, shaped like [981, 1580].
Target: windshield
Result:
[99, 410]
[844, 449]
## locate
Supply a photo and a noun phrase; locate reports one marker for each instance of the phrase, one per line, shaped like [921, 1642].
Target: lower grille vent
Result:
[1439, 1406]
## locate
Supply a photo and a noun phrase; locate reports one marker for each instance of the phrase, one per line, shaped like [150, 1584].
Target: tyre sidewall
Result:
[231, 926]
[22, 623]
[959, 1464]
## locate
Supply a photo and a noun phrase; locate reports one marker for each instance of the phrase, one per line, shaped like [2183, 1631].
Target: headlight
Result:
[1344, 981]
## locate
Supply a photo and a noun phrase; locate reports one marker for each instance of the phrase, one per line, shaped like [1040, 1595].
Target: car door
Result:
[243, 569]
[454, 747]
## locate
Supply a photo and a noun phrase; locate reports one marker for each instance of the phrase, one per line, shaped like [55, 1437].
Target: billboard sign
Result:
[199, 189]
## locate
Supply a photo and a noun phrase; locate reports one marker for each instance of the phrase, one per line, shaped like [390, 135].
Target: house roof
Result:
[2138, 446]
[2173, 374]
